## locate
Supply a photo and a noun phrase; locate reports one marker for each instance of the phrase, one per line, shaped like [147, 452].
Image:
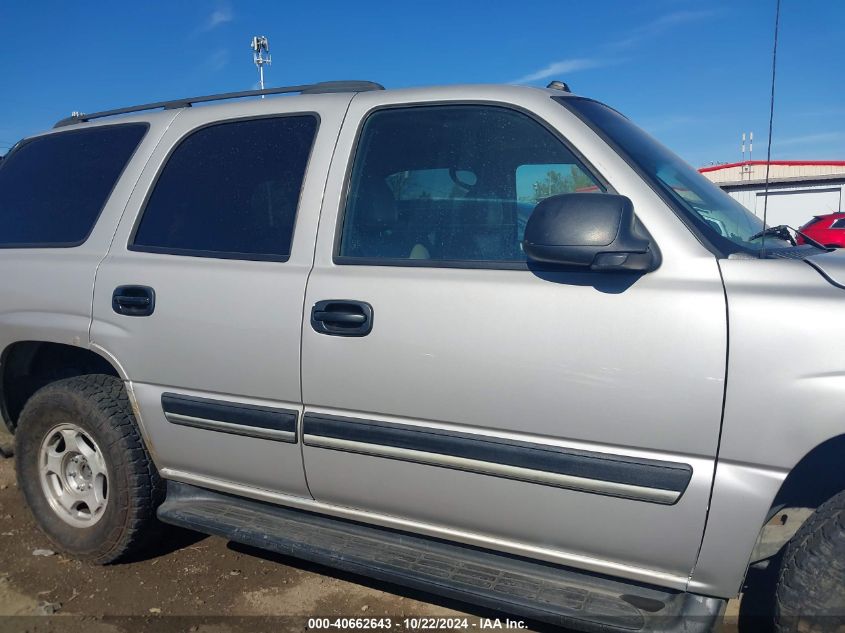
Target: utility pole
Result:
[261, 56]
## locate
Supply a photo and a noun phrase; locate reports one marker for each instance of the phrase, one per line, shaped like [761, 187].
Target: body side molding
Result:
[592, 472]
[230, 417]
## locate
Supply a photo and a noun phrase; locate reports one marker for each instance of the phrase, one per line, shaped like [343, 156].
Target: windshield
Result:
[723, 220]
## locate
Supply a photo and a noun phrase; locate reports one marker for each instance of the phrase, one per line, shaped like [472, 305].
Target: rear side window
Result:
[838, 224]
[53, 188]
[451, 183]
[230, 190]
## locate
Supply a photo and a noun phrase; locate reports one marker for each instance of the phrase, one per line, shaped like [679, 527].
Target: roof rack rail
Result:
[312, 89]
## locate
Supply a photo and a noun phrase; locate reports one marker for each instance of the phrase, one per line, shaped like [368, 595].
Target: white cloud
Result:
[678, 17]
[658, 26]
[822, 138]
[635, 36]
[221, 15]
[218, 60]
[669, 122]
[562, 67]
[822, 112]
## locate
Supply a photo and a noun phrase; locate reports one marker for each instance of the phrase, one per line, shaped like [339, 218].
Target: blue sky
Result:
[694, 74]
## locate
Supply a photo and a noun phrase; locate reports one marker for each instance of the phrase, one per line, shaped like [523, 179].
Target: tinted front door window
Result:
[452, 183]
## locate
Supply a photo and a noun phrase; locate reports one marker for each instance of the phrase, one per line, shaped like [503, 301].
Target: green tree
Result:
[557, 182]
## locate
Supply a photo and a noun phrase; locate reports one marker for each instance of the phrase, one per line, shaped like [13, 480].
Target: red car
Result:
[828, 230]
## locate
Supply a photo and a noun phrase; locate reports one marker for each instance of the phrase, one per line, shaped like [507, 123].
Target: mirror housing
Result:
[598, 231]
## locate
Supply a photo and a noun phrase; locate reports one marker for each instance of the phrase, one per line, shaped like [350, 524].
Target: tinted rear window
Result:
[52, 188]
[230, 190]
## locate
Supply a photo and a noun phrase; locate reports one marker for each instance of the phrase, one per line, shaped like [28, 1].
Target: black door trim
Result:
[230, 417]
[601, 473]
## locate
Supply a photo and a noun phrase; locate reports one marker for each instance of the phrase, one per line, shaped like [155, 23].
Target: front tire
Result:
[84, 471]
[810, 594]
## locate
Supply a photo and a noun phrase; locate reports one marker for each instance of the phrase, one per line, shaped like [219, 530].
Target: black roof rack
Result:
[310, 89]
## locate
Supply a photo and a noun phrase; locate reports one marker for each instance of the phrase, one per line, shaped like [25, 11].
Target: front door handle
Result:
[341, 317]
[133, 300]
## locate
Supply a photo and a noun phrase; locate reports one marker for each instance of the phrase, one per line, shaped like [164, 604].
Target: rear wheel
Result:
[84, 470]
[810, 594]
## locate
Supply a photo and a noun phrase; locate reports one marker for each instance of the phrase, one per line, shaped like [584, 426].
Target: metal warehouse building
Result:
[798, 190]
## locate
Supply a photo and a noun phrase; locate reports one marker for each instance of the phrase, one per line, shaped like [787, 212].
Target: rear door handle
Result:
[342, 317]
[133, 300]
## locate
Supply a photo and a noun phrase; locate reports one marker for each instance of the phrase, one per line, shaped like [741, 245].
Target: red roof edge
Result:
[832, 163]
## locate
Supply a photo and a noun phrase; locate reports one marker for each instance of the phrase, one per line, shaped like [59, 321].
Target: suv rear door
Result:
[219, 234]
[451, 388]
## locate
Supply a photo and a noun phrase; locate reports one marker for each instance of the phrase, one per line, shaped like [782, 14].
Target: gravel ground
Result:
[191, 583]
[215, 586]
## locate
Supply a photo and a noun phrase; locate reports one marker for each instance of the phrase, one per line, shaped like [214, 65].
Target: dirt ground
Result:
[191, 583]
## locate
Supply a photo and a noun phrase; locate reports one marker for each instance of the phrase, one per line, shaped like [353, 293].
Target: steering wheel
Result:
[453, 174]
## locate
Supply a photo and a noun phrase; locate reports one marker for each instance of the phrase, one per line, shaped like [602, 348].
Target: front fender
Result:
[784, 394]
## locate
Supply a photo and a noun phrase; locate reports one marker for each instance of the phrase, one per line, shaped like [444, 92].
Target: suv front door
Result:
[453, 389]
[200, 298]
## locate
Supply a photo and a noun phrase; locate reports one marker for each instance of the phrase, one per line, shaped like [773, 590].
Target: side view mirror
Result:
[598, 231]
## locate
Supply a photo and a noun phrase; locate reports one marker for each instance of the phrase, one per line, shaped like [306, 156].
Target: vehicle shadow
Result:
[7, 443]
[378, 585]
[166, 540]
[606, 283]
[757, 608]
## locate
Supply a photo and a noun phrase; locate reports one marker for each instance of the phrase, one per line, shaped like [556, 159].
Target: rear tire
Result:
[84, 470]
[810, 594]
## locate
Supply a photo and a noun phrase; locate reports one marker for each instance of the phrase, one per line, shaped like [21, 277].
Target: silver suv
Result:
[492, 342]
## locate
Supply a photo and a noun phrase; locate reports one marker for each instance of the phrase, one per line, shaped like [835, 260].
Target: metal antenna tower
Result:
[747, 168]
[261, 56]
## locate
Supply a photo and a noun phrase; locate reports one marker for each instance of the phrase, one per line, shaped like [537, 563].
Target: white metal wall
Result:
[756, 170]
[792, 205]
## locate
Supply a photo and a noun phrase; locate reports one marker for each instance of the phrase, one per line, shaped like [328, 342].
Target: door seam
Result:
[120, 221]
[303, 320]
[721, 426]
